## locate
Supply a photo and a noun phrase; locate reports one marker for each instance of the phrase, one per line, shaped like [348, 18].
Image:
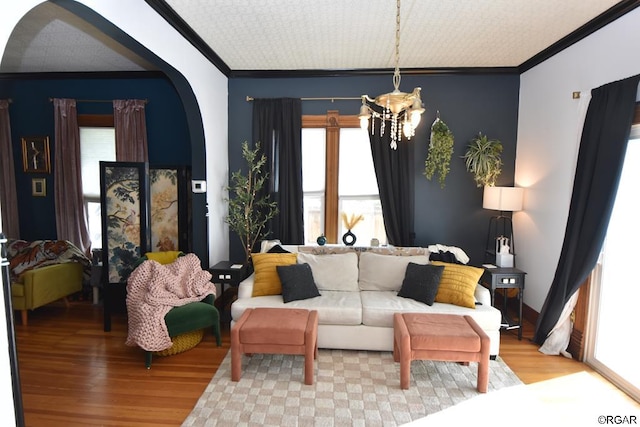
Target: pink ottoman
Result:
[444, 337]
[275, 331]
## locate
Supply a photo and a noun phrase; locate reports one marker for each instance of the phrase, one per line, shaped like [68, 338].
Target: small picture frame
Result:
[38, 187]
[35, 154]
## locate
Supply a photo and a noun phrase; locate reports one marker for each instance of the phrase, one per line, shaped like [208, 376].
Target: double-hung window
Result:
[338, 178]
[97, 143]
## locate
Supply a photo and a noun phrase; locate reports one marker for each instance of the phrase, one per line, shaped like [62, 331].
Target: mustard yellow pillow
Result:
[163, 257]
[458, 284]
[266, 280]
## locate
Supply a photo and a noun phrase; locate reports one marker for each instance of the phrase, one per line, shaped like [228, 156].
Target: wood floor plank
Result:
[74, 374]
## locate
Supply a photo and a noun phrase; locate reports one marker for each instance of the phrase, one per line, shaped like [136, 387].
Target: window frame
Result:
[332, 122]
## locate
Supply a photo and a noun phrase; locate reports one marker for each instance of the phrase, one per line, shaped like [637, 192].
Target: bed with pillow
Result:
[356, 291]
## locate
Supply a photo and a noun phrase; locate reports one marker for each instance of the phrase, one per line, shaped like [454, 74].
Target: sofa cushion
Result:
[335, 272]
[297, 282]
[334, 307]
[378, 308]
[458, 284]
[421, 282]
[385, 272]
[267, 281]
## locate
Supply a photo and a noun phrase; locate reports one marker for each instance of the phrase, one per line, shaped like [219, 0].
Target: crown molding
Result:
[85, 75]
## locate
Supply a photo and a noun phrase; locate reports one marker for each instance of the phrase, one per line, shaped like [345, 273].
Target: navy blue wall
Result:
[468, 104]
[31, 114]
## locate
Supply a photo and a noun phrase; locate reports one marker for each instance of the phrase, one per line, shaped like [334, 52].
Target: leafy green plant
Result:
[483, 159]
[250, 208]
[440, 151]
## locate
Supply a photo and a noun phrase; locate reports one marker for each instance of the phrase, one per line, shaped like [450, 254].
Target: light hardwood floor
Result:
[74, 374]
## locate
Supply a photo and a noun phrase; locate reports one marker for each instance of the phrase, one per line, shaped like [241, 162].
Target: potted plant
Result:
[251, 207]
[440, 151]
[483, 159]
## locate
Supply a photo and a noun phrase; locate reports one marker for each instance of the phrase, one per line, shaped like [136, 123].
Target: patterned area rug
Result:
[351, 388]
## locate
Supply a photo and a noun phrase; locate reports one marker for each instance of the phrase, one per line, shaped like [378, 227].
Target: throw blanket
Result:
[153, 289]
[445, 253]
[24, 256]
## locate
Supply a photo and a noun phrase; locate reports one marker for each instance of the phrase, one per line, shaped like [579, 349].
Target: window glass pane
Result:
[313, 159]
[96, 144]
[95, 226]
[618, 298]
[313, 216]
[356, 173]
[371, 226]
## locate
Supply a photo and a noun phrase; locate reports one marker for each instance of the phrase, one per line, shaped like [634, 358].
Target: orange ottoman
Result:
[444, 337]
[275, 331]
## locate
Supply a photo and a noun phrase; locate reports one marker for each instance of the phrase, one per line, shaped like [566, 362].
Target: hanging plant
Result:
[483, 160]
[440, 151]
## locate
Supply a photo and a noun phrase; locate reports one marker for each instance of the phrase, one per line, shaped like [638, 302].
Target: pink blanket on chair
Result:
[153, 289]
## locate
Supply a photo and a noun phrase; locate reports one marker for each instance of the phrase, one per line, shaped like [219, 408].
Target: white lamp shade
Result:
[502, 198]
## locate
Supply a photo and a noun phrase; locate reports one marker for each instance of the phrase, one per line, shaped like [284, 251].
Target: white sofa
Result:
[356, 308]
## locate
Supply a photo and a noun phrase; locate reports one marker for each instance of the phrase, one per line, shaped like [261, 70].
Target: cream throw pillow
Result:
[333, 272]
[385, 272]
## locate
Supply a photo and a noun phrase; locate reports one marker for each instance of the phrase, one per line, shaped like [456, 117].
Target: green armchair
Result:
[185, 323]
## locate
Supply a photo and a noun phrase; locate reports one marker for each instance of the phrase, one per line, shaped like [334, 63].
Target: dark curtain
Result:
[8, 192]
[71, 218]
[602, 150]
[277, 126]
[129, 121]
[394, 173]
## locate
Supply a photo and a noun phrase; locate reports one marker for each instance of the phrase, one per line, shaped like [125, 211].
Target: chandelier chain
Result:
[396, 73]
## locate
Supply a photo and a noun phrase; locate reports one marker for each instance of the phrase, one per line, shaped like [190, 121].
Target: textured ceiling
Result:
[317, 35]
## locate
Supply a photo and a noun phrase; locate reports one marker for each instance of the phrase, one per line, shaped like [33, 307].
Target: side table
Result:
[227, 273]
[505, 278]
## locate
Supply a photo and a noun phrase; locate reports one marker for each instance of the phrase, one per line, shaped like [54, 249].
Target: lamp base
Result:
[504, 260]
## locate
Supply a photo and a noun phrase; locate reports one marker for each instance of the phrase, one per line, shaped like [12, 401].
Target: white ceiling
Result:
[317, 35]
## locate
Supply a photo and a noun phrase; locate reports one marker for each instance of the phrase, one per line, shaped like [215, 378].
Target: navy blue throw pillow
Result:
[297, 282]
[421, 282]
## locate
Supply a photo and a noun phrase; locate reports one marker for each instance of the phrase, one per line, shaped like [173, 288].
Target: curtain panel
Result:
[129, 121]
[600, 159]
[71, 218]
[277, 126]
[8, 193]
[394, 173]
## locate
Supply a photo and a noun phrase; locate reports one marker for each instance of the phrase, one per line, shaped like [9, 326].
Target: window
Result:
[338, 177]
[97, 143]
[612, 351]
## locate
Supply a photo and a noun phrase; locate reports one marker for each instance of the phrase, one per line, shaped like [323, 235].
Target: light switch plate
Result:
[198, 186]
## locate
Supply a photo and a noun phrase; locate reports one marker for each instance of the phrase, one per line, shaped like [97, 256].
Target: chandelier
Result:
[401, 110]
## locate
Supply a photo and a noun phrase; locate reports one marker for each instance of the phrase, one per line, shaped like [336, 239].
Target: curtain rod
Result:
[98, 100]
[333, 98]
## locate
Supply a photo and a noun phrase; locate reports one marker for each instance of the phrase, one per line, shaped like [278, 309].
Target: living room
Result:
[534, 108]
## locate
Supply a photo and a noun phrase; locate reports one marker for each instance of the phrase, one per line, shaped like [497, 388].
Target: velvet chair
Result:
[185, 323]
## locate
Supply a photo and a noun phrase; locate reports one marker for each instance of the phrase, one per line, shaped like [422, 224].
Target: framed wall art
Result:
[36, 157]
[38, 187]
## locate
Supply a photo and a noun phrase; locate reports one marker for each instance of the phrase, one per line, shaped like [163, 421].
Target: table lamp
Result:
[500, 241]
